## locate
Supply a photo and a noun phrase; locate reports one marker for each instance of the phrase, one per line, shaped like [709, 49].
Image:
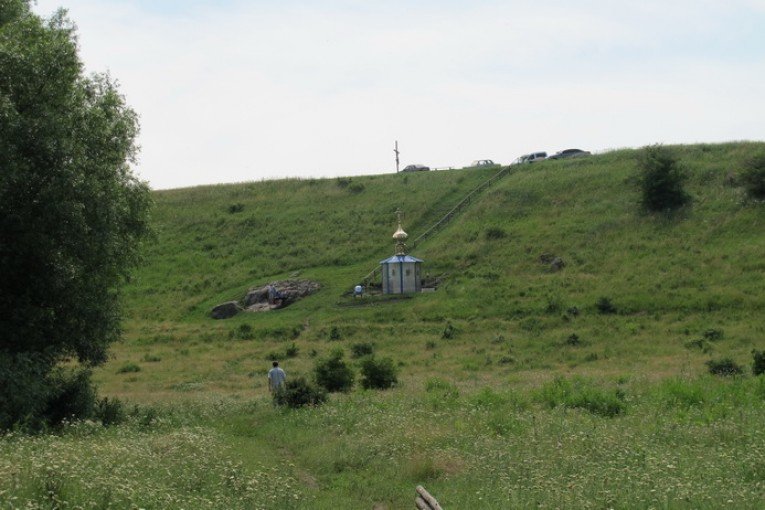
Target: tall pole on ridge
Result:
[395, 149]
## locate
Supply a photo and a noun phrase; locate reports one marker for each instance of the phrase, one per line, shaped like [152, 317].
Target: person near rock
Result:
[276, 378]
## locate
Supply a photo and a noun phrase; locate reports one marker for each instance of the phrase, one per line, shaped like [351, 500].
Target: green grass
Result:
[505, 411]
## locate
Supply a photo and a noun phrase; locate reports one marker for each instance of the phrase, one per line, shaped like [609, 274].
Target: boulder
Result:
[226, 310]
[287, 292]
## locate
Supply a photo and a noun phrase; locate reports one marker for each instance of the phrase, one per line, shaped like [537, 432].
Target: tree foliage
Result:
[753, 176]
[661, 180]
[72, 214]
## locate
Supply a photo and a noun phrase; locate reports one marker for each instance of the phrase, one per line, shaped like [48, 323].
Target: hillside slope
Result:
[669, 279]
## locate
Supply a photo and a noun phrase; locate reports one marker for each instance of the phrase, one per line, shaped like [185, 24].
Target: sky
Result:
[235, 90]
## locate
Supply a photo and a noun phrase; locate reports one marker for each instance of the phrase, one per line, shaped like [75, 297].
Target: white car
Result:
[531, 158]
[483, 162]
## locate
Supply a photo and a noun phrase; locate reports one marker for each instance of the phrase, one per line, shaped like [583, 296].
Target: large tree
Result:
[72, 214]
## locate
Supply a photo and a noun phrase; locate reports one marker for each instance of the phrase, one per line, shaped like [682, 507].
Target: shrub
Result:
[128, 368]
[300, 393]
[573, 340]
[334, 333]
[333, 374]
[494, 233]
[724, 367]
[362, 349]
[378, 373]
[582, 394]
[72, 396]
[235, 208]
[291, 351]
[758, 365]
[753, 176]
[661, 181]
[449, 331]
[605, 306]
[713, 334]
[242, 332]
[109, 412]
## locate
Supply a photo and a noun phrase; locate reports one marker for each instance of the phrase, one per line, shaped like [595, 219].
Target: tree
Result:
[72, 214]
[661, 181]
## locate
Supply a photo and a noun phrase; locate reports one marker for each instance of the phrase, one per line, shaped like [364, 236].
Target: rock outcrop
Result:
[271, 296]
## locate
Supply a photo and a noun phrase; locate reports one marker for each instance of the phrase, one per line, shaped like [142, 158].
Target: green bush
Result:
[758, 365]
[334, 374]
[724, 367]
[362, 349]
[378, 373]
[291, 351]
[128, 368]
[661, 181]
[753, 176]
[582, 394]
[494, 233]
[72, 396]
[109, 412]
[605, 306]
[300, 393]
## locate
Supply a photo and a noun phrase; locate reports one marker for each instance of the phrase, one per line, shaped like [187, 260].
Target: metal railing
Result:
[448, 216]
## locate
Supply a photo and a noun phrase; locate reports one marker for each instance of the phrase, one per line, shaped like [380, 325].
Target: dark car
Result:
[415, 168]
[569, 153]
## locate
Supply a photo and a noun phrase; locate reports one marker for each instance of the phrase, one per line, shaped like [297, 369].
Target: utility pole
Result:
[395, 149]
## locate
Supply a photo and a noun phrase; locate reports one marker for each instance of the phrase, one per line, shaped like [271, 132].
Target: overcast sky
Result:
[231, 91]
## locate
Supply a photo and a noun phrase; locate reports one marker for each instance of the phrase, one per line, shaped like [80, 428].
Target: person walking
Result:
[276, 378]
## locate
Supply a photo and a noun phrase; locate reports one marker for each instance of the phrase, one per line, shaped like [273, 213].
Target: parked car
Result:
[416, 168]
[531, 158]
[569, 153]
[483, 162]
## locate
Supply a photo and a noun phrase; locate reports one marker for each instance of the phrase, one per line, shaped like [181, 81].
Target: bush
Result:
[724, 367]
[661, 181]
[72, 396]
[605, 306]
[333, 374]
[758, 365]
[378, 374]
[449, 331]
[753, 176]
[109, 412]
[300, 393]
[334, 333]
[291, 351]
[128, 368]
[242, 332]
[362, 349]
[582, 394]
[494, 233]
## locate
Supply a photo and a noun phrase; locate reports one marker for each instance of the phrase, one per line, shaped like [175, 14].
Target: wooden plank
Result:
[430, 500]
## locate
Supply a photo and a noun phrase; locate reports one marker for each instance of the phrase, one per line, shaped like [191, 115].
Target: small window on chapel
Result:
[408, 272]
[392, 272]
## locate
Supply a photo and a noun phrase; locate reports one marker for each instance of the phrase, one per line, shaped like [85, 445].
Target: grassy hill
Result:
[519, 387]
[670, 279]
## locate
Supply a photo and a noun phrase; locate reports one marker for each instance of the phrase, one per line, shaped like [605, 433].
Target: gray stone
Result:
[226, 310]
[288, 291]
[557, 264]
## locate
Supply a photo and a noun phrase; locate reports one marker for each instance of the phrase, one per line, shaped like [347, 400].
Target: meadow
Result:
[520, 386]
